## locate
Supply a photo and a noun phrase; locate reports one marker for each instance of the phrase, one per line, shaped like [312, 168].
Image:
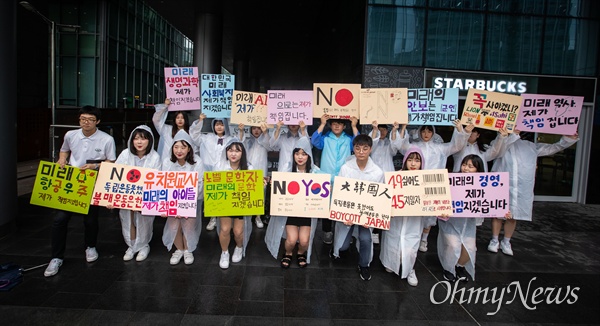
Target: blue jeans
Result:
[365, 242]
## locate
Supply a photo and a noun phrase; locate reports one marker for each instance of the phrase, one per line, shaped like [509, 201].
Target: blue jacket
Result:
[335, 150]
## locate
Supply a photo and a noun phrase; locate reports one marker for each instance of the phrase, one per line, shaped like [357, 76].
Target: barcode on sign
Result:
[434, 178]
[435, 191]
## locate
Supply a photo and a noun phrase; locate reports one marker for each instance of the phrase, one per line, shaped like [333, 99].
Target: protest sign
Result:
[420, 193]
[183, 88]
[234, 193]
[550, 114]
[291, 107]
[120, 186]
[432, 106]
[67, 189]
[339, 101]
[249, 108]
[479, 194]
[384, 105]
[300, 194]
[216, 95]
[491, 110]
[170, 193]
[361, 202]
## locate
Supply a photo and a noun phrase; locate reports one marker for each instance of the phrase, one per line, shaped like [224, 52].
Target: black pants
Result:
[60, 226]
[326, 225]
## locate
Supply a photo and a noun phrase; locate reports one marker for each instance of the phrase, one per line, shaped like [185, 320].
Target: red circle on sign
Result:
[133, 175]
[343, 97]
[293, 187]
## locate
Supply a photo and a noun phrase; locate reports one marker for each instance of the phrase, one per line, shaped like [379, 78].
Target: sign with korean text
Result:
[361, 202]
[183, 88]
[217, 94]
[420, 193]
[300, 194]
[170, 193]
[234, 193]
[120, 186]
[432, 106]
[551, 114]
[249, 108]
[291, 107]
[68, 189]
[384, 105]
[479, 194]
[340, 101]
[491, 110]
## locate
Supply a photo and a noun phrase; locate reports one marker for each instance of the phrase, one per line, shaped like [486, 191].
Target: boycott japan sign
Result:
[361, 202]
[479, 194]
[551, 114]
[491, 110]
[234, 193]
[170, 193]
[119, 186]
[182, 85]
[67, 188]
[420, 193]
[300, 194]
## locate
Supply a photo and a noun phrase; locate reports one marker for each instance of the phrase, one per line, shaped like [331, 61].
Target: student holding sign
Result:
[234, 158]
[520, 161]
[434, 157]
[182, 231]
[401, 242]
[137, 228]
[166, 131]
[294, 230]
[496, 149]
[85, 148]
[359, 166]
[336, 146]
[211, 146]
[285, 143]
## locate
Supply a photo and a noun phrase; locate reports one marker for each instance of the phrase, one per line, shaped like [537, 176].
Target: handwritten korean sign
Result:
[479, 194]
[291, 107]
[216, 95]
[249, 108]
[183, 88]
[340, 101]
[384, 105]
[233, 193]
[172, 193]
[361, 202]
[420, 193]
[120, 186]
[68, 189]
[491, 110]
[432, 106]
[300, 194]
[551, 114]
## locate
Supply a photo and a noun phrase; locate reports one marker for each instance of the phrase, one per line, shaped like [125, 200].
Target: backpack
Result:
[10, 276]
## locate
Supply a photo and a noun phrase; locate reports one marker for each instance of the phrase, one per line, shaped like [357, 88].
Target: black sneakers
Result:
[365, 275]
[449, 276]
[462, 274]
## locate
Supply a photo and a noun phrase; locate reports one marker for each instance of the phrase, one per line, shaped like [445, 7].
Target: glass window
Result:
[554, 173]
[513, 43]
[111, 89]
[395, 36]
[69, 14]
[570, 47]
[454, 40]
[113, 19]
[417, 3]
[87, 81]
[458, 4]
[68, 44]
[87, 45]
[517, 6]
[574, 8]
[67, 84]
[87, 16]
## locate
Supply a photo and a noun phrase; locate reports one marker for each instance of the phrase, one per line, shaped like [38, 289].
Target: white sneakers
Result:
[53, 267]
[176, 257]
[128, 254]
[412, 278]
[224, 261]
[259, 222]
[188, 257]
[493, 246]
[143, 253]
[91, 254]
[237, 255]
[423, 246]
[506, 248]
[211, 224]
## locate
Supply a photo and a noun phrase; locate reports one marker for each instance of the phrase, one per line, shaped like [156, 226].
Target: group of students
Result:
[184, 147]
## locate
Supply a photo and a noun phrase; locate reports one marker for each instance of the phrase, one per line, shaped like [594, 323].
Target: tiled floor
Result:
[559, 250]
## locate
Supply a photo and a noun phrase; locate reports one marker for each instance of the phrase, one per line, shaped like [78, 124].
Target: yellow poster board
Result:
[491, 110]
[120, 186]
[300, 194]
[249, 108]
[420, 193]
[234, 193]
[69, 189]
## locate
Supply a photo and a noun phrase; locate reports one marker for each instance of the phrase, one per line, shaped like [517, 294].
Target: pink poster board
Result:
[479, 194]
[550, 114]
[291, 107]
[183, 88]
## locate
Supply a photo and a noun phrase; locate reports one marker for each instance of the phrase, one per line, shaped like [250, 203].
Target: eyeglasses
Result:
[86, 120]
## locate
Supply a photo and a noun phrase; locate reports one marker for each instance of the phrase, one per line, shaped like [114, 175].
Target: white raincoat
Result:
[258, 149]
[210, 149]
[520, 162]
[383, 152]
[165, 131]
[496, 149]
[225, 166]
[400, 244]
[285, 144]
[142, 223]
[350, 169]
[276, 227]
[191, 227]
